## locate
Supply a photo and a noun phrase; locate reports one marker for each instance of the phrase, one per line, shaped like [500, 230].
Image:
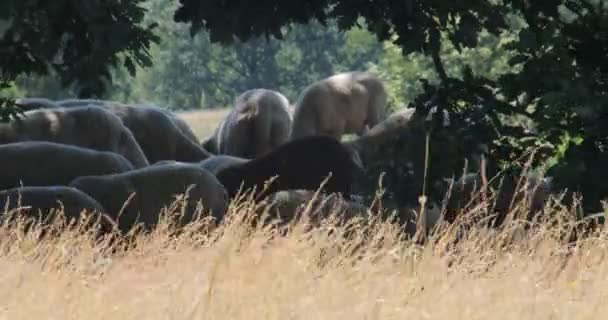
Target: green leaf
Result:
[527, 40]
[130, 66]
[467, 32]
[517, 59]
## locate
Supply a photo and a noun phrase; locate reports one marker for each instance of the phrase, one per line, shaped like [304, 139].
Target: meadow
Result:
[365, 269]
[203, 122]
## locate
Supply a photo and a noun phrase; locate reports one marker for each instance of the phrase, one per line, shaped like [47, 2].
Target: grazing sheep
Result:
[344, 103]
[389, 128]
[181, 124]
[70, 103]
[288, 204]
[382, 131]
[27, 104]
[159, 133]
[90, 127]
[41, 163]
[466, 191]
[40, 103]
[300, 164]
[45, 202]
[258, 122]
[155, 187]
[215, 164]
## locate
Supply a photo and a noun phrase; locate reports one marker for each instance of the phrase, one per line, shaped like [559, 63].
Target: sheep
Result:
[69, 103]
[213, 164]
[217, 163]
[350, 102]
[389, 128]
[159, 133]
[300, 164]
[181, 124]
[155, 187]
[41, 163]
[465, 191]
[90, 127]
[286, 205]
[40, 103]
[386, 129]
[45, 202]
[258, 123]
[27, 104]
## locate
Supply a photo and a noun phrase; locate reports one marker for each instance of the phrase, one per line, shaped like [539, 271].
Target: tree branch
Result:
[435, 44]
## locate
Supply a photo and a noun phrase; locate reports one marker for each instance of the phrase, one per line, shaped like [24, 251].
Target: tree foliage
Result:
[192, 72]
[557, 81]
[79, 41]
[562, 87]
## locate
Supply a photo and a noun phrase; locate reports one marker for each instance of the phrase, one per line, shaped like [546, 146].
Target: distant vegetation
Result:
[194, 73]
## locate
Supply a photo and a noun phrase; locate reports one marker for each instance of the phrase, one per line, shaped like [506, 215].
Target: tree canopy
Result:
[78, 40]
[559, 58]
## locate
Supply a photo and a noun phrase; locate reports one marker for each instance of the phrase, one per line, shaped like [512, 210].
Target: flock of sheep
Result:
[130, 161]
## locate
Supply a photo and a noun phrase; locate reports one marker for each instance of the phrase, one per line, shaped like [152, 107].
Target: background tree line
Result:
[513, 74]
[195, 73]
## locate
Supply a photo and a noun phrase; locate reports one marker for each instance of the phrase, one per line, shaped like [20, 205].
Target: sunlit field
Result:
[365, 268]
[203, 122]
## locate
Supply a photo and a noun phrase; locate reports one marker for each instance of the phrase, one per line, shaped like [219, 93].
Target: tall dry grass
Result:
[364, 269]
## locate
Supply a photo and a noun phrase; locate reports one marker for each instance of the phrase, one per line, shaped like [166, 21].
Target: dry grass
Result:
[364, 270]
[203, 122]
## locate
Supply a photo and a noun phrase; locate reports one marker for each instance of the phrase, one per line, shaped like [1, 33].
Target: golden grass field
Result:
[239, 272]
[203, 122]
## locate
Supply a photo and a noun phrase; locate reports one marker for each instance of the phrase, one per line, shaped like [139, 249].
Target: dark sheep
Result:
[41, 163]
[289, 204]
[300, 164]
[46, 202]
[468, 186]
[217, 163]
